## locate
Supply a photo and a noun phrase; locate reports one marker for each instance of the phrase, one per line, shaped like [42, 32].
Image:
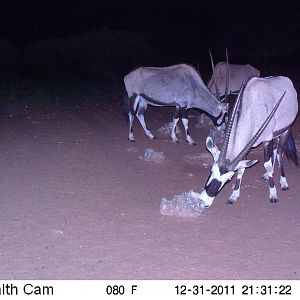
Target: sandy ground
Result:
[78, 203]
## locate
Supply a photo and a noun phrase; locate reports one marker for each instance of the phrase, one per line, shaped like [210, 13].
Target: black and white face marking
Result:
[212, 148]
[219, 120]
[218, 177]
[213, 187]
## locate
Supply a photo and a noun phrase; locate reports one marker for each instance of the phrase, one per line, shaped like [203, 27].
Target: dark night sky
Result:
[180, 26]
[245, 21]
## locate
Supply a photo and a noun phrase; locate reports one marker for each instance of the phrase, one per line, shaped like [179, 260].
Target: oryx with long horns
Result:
[180, 86]
[235, 74]
[264, 112]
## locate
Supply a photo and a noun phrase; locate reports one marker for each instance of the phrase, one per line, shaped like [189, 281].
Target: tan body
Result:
[179, 86]
[236, 73]
[264, 113]
[258, 99]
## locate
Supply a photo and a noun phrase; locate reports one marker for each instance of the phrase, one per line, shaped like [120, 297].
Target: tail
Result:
[290, 150]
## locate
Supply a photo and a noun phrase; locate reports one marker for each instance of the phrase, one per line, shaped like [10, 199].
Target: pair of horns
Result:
[222, 158]
[215, 78]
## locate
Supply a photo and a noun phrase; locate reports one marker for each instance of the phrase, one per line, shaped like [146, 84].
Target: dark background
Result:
[51, 39]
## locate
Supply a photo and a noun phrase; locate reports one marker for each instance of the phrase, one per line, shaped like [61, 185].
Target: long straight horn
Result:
[256, 136]
[227, 77]
[229, 126]
[214, 74]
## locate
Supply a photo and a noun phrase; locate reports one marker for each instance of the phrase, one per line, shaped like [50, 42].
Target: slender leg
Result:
[275, 149]
[283, 182]
[131, 120]
[133, 102]
[184, 119]
[282, 140]
[275, 145]
[237, 187]
[142, 107]
[175, 121]
[268, 153]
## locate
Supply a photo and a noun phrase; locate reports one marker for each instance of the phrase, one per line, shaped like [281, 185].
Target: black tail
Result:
[290, 150]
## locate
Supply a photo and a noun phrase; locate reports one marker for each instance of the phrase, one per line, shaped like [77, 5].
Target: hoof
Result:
[264, 177]
[151, 137]
[229, 201]
[285, 188]
[175, 142]
[274, 200]
[131, 141]
[190, 141]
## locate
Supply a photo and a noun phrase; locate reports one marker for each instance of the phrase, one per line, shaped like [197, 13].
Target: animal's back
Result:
[259, 98]
[237, 75]
[139, 78]
[265, 93]
[167, 84]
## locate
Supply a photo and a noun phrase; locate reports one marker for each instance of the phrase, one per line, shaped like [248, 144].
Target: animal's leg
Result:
[275, 143]
[283, 139]
[175, 121]
[237, 187]
[133, 102]
[184, 119]
[268, 153]
[142, 107]
[131, 120]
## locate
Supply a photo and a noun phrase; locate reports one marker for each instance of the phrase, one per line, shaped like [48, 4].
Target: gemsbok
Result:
[236, 75]
[264, 112]
[180, 86]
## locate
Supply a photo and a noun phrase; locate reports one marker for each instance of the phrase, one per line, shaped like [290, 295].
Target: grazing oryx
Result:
[237, 74]
[264, 112]
[179, 85]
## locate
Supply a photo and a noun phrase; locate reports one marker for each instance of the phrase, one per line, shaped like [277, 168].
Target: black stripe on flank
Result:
[157, 102]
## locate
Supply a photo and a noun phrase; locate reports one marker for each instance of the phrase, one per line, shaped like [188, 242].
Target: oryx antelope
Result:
[264, 112]
[237, 74]
[179, 85]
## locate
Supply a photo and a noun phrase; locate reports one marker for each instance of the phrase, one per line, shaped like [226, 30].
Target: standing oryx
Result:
[264, 112]
[179, 85]
[236, 74]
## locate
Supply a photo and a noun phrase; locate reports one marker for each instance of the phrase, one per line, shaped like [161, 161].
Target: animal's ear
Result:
[212, 148]
[245, 164]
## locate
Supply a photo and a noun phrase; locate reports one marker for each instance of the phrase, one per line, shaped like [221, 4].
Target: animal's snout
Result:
[207, 200]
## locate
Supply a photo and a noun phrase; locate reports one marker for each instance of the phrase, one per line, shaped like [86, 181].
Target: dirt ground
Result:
[78, 203]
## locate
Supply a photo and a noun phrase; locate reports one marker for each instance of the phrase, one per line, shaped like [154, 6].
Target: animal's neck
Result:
[240, 135]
